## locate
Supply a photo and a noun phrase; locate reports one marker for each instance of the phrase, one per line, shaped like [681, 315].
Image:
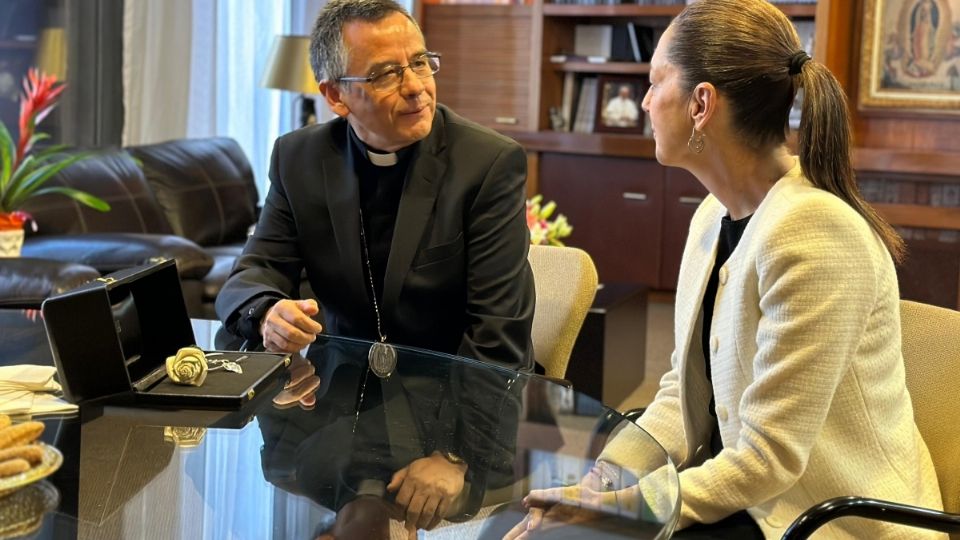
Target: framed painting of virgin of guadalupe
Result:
[910, 56]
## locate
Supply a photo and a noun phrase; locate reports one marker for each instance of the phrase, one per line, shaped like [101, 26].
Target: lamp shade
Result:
[288, 67]
[52, 53]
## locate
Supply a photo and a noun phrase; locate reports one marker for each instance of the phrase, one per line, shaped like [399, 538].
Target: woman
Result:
[787, 382]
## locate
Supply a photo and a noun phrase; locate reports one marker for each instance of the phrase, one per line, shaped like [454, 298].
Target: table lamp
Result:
[288, 68]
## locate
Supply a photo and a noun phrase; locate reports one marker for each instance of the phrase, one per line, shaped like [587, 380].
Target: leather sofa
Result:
[192, 200]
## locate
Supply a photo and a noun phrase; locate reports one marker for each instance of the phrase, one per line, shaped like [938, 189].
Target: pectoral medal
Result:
[382, 359]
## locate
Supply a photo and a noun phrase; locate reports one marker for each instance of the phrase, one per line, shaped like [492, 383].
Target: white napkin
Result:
[30, 389]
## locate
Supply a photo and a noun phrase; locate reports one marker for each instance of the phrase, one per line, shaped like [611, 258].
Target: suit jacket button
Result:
[722, 413]
[723, 275]
[714, 345]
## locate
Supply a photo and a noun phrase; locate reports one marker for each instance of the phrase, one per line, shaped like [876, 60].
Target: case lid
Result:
[113, 332]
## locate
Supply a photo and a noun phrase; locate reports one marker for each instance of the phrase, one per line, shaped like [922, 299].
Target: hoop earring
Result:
[695, 143]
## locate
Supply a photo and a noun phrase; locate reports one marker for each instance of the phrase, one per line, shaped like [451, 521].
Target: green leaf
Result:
[8, 150]
[34, 139]
[16, 179]
[26, 185]
[49, 152]
[80, 196]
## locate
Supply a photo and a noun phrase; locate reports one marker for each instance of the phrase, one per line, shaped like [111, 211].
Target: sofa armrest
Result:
[27, 282]
[109, 252]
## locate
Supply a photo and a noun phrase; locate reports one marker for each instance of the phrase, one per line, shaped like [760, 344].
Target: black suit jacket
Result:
[457, 277]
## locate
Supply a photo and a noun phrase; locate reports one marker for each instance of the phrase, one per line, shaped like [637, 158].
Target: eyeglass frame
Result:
[393, 69]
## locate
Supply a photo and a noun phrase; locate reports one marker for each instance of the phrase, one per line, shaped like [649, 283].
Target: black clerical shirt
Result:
[380, 190]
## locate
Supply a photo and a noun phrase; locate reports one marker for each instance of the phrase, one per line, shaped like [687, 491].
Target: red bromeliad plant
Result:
[22, 173]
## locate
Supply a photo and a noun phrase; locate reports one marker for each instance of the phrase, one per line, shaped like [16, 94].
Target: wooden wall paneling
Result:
[615, 206]
[916, 215]
[835, 28]
[930, 273]
[535, 66]
[923, 165]
[485, 70]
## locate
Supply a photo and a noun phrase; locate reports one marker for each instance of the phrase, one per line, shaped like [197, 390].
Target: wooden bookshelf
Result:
[622, 10]
[800, 10]
[595, 144]
[632, 68]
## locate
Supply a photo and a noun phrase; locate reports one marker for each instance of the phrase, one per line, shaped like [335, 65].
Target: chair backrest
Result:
[566, 282]
[931, 354]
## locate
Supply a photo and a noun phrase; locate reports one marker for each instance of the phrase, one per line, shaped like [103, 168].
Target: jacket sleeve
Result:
[271, 263]
[500, 291]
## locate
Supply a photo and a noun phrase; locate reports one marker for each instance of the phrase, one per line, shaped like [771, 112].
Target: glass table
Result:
[317, 454]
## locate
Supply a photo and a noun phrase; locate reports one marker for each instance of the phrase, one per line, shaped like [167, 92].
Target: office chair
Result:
[566, 282]
[931, 355]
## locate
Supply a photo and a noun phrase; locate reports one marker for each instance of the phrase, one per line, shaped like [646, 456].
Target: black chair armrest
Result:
[26, 282]
[891, 512]
[634, 414]
[109, 252]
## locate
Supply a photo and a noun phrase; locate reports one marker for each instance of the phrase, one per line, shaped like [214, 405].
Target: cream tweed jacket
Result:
[807, 373]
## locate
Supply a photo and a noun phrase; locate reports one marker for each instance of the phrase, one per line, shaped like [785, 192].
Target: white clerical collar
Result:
[382, 160]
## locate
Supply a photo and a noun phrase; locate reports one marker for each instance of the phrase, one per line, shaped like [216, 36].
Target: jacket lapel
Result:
[343, 201]
[416, 206]
[695, 272]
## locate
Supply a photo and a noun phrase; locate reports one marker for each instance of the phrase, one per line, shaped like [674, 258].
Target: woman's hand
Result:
[556, 507]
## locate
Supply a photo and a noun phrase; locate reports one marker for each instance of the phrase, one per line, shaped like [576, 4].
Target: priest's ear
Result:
[332, 93]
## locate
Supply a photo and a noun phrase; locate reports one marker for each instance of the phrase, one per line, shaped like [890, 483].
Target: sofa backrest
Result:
[204, 186]
[114, 177]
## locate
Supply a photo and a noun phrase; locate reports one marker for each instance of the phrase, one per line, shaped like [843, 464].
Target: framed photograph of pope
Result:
[618, 104]
[910, 56]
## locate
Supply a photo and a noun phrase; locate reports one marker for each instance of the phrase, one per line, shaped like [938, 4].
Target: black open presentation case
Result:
[112, 337]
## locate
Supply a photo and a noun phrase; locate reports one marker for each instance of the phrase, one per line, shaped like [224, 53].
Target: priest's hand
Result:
[426, 489]
[288, 327]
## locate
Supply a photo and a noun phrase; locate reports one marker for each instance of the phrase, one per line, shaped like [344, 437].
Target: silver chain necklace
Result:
[382, 357]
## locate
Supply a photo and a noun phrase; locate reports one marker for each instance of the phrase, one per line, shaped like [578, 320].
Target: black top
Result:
[380, 190]
[730, 233]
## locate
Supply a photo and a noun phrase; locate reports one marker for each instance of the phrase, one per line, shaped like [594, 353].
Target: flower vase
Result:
[11, 240]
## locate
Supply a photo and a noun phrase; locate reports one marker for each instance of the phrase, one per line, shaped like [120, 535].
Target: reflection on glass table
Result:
[444, 447]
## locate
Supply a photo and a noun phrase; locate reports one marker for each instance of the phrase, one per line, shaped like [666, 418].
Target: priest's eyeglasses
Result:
[389, 78]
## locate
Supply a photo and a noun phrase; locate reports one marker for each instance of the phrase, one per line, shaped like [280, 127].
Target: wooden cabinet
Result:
[637, 213]
[616, 208]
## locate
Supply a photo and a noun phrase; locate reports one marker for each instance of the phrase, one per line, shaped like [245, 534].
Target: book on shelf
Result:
[593, 40]
[566, 102]
[624, 42]
[586, 106]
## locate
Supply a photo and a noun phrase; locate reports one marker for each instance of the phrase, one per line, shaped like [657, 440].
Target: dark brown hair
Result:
[328, 54]
[744, 48]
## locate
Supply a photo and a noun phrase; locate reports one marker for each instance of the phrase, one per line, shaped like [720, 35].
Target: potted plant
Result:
[23, 172]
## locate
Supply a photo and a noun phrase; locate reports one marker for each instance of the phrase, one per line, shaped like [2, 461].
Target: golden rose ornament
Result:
[188, 367]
